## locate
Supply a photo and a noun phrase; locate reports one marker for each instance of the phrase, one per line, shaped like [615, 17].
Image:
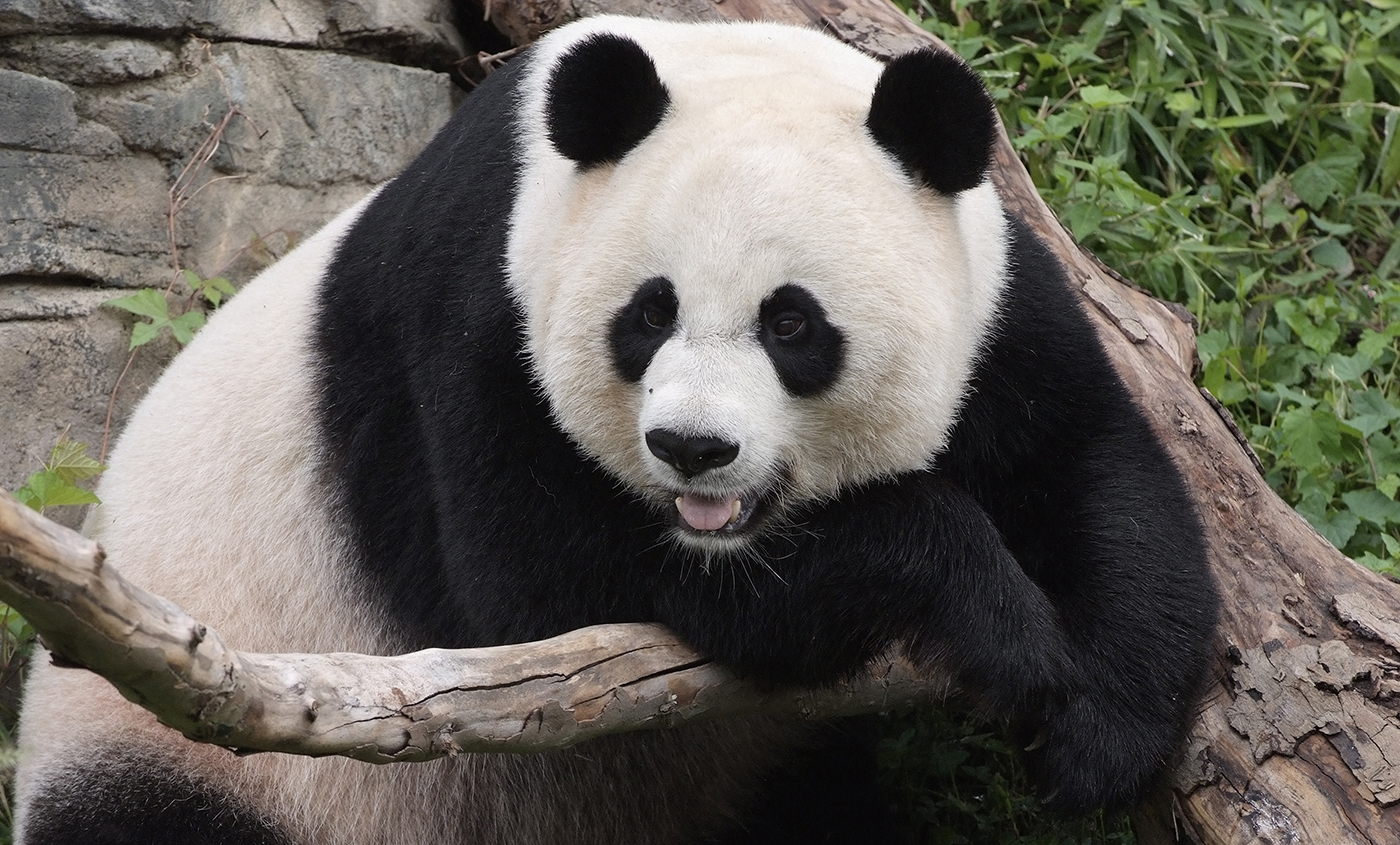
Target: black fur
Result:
[1052, 559]
[829, 794]
[932, 113]
[124, 798]
[642, 326]
[809, 359]
[605, 98]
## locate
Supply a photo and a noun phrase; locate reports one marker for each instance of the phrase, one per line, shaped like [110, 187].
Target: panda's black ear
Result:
[604, 98]
[933, 113]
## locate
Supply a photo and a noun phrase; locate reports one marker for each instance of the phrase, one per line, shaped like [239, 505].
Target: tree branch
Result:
[434, 703]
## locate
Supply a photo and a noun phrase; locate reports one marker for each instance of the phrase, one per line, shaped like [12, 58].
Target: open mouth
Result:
[726, 514]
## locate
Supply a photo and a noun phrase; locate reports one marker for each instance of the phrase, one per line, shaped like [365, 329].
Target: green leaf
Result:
[1376, 564]
[29, 498]
[1314, 184]
[185, 325]
[144, 333]
[1357, 86]
[1319, 339]
[1333, 255]
[147, 302]
[1297, 397]
[1373, 506]
[1389, 485]
[1337, 526]
[1346, 367]
[217, 288]
[1373, 343]
[49, 489]
[1312, 436]
[1083, 219]
[1240, 121]
[1101, 96]
[69, 459]
[1182, 102]
[1373, 412]
[1334, 229]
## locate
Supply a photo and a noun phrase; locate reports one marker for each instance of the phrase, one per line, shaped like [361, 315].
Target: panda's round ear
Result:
[604, 99]
[933, 113]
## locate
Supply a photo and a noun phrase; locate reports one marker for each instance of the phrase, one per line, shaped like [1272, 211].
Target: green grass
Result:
[1240, 158]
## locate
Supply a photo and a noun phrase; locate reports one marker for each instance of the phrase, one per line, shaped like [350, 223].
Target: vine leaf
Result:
[150, 303]
[57, 482]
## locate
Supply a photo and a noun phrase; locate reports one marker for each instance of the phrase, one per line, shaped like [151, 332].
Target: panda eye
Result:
[787, 325]
[656, 317]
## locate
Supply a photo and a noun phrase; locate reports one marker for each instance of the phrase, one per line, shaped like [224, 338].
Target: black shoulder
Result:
[1049, 432]
[415, 318]
[477, 521]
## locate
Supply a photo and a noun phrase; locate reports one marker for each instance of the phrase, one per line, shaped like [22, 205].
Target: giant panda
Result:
[721, 326]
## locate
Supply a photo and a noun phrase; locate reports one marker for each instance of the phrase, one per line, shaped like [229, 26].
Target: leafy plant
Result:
[150, 303]
[1239, 157]
[212, 290]
[959, 783]
[153, 306]
[57, 482]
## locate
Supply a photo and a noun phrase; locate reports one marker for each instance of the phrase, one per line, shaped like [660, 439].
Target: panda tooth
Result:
[734, 512]
[678, 502]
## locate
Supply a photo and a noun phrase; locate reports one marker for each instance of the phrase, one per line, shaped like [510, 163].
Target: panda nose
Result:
[690, 455]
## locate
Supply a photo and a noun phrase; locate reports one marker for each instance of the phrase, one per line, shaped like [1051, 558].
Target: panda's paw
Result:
[1092, 754]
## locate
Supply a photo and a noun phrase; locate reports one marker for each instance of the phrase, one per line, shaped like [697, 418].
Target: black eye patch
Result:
[806, 349]
[641, 326]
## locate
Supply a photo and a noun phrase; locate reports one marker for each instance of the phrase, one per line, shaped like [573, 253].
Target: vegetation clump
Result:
[1239, 157]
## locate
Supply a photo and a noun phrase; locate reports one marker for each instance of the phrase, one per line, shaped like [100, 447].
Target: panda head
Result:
[756, 266]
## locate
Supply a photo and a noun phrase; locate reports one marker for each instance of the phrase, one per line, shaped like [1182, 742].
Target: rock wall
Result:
[103, 105]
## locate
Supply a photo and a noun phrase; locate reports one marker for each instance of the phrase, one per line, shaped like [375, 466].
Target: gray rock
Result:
[22, 299]
[71, 215]
[413, 31]
[666, 10]
[327, 125]
[39, 115]
[97, 128]
[56, 376]
[91, 60]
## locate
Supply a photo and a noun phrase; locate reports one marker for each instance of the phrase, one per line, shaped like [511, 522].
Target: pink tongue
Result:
[704, 514]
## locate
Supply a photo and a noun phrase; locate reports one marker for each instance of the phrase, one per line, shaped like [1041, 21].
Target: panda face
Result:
[756, 306]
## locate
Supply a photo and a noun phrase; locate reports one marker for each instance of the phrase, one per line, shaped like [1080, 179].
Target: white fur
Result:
[761, 174]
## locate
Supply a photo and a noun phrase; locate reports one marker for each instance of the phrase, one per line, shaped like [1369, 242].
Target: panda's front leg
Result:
[915, 562]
